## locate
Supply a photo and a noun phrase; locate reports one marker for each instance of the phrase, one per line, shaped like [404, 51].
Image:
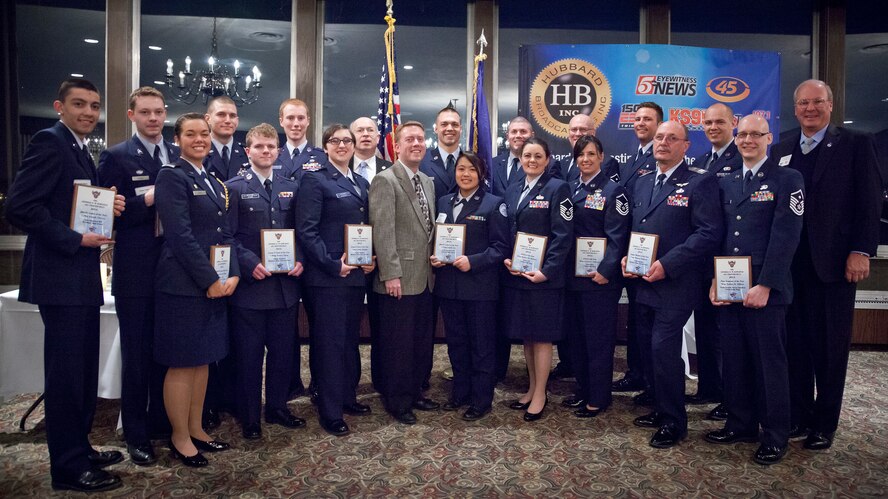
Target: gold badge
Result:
[565, 88]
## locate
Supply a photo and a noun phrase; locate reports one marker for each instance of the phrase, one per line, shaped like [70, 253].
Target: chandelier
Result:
[215, 81]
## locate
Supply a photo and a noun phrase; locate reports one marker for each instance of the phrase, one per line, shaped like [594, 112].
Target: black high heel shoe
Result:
[211, 445]
[519, 405]
[529, 416]
[195, 461]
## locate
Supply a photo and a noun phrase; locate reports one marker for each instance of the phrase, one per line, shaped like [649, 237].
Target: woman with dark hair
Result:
[601, 210]
[191, 319]
[534, 300]
[330, 198]
[467, 288]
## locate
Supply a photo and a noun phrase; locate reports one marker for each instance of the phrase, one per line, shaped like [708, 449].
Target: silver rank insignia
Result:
[622, 204]
[566, 209]
[249, 176]
[797, 202]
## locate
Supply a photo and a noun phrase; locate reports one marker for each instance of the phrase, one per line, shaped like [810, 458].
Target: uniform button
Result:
[643, 220]
[251, 208]
[274, 222]
[739, 217]
[362, 208]
[272, 210]
[736, 232]
[218, 229]
[220, 213]
[736, 250]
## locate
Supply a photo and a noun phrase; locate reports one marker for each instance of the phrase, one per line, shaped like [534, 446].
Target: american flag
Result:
[389, 116]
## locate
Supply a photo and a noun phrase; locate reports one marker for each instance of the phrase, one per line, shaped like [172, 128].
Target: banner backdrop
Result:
[608, 81]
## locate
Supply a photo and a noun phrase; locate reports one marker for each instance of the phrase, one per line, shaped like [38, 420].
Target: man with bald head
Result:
[840, 233]
[763, 205]
[680, 205]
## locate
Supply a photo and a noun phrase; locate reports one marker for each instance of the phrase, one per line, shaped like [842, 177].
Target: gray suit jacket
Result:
[400, 237]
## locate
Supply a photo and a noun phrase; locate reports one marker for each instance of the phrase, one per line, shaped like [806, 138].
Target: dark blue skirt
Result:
[533, 314]
[190, 331]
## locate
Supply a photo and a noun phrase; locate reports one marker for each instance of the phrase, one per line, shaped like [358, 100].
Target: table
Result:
[21, 348]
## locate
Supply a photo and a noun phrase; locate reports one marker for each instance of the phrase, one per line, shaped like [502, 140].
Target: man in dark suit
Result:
[402, 210]
[680, 205]
[507, 166]
[440, 163]
[132, 166]
[763, 206]
[297, 154]
[227, 157]
[265, 306]
[60, 274]
[648, 117]
[367, 165]
[722, 160]
[840, 233]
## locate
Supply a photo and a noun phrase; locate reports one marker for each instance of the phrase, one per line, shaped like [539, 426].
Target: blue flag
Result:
[479, 125]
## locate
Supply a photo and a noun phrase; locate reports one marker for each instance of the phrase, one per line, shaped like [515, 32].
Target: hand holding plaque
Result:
[450, 242]
[733, 278]
[590, 253]
[278, 250]
[642, 253]
[92, 210]
[358, 244]
[528, 253]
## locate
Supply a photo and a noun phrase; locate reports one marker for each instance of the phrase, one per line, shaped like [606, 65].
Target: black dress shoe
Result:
[573, 402]
[283, 418]
[210, 420]
[720, 413]
[89, 481]
[474, 414]
[561, 372]
[667, 436]
[818, 440]
[425, 404]
[104, 458]
[356, 409]
[519, 405]
[252, 431]
[798, 431]
[585, 412]
[210, 445]
[645, 398]
[699, 399]
[625, 384]
[769, 454]
[142, 455]
[531, 416]
[452, 405]
[406, 417]
[724, 436]
[336, 427]
[195, 461]
[650, 420]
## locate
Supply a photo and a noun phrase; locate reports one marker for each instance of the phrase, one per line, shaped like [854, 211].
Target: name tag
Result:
[286, 194]
[199, 193]
[442, 217]
[276, 167]
[250, 196]
[143, 190]
[82, 181]
[141, 178]
[339, 195]
[677, 200]
[759, 196]
[538, 204]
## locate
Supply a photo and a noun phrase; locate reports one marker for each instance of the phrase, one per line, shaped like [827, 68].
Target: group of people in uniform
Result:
[194, 342]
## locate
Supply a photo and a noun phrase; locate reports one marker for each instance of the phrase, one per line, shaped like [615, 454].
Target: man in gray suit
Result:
[402, 210]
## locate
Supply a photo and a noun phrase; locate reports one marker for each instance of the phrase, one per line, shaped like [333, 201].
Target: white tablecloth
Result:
[21, 348]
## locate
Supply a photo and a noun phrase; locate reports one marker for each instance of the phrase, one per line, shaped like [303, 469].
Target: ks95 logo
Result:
[727, 89]
[566, 88]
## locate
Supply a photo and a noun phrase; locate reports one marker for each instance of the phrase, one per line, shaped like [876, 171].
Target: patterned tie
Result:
[363, 168]
[267, 185]
[807, 145]
[659, 185]
[226, 157]
[747, 179]
[423, 203]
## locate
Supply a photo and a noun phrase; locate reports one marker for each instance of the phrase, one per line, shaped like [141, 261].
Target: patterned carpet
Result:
[501, 455]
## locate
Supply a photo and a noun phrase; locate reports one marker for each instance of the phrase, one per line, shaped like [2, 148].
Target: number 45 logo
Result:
[727, 89]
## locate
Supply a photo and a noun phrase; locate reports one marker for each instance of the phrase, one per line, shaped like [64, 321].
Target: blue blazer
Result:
[128, 167]
[310, 159]
[250, 211]
[551, 215]
[630, 171]
[192, 220]
[600, 210]
[326, 203]
[237, 160]
[487, 244]
[432, 164]
[686, 215]
[56, 270]
[724, 165]
[765, 223]
[500, 184]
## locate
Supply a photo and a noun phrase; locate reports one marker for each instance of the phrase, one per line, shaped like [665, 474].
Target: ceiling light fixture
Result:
[154, 47]
[215, 81]
[91, 40]
[77, 75]
[408, 67]
[848, 122]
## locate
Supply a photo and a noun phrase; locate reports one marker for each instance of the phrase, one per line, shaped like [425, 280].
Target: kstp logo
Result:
[689, 117]
[666, 85]
[727, 89]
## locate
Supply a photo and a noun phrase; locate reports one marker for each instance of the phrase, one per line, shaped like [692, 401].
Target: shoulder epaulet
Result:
[697, 170]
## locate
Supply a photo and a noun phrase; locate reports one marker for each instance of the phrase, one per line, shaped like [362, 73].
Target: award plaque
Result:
[642, 252]
[358, 244]
[528, 253]
[92, 210]
[220, 259]
[590, 252]
[450, 242]
[733, 277]
[278, 250]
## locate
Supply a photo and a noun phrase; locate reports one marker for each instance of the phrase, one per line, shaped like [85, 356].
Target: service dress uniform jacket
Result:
[571, 173]
[238, 161]
[501, 183]
[190, 329]
[434, 165]
[729, 162]
[310, 159]
[629, 172]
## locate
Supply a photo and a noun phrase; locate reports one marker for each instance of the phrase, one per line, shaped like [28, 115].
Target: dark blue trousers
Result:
[660, 332]
[254, 331]
[709, 348]
[470, 327]
[592, 329]
[635, 368]
[71, 376]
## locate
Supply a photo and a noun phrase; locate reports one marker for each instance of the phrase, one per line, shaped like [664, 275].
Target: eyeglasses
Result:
[336, 141]
[751, 135]
[669, 139]
[818, 103]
